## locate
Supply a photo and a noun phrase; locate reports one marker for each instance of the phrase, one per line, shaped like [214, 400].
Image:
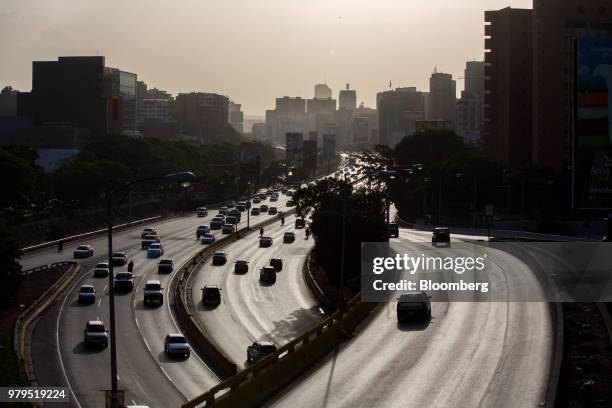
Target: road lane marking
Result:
[166, 374]
[146, 344]
[99, 302]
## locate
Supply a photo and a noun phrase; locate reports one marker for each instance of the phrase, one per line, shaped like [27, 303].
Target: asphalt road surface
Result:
[471, 354]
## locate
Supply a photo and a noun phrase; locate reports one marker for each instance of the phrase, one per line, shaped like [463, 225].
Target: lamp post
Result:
[388, 175]
[184, 179]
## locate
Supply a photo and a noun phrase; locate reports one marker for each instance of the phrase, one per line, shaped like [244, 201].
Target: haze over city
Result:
[252, 54]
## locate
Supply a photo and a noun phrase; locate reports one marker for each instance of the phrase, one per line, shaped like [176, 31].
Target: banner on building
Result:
[310, 157]
[592, 182]
[329, 146]
[294, 143]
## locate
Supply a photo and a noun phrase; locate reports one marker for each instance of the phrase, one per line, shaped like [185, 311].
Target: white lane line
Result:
[166, 374]
[118, 378]
[133, 402]
[138, 325]
[146, 344]
[99, 302]
[105, 287]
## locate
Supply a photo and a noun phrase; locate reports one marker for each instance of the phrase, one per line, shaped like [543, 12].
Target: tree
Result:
[429, 147]
[18, 180]
[10, 272]
[324, 203]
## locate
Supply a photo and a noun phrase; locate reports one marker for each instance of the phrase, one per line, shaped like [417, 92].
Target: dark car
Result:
[277, 264]
[219, 258]
[255, 211]
[231, 220]
[259, 350]
[165, 266]
[441, 235]
[211, 296]
[148, 231]
[201, 211]
[300, 223]
[265, 241]
[148, 240]
[119, 258]
[272, 211]
[263, 208]
[201, 230]
[241, 266]
[228, 228]
[267, 274]
[393, 229]
[124, 281]
[288, 237]
[216, 224]
[413, 306]
[87, 294]
[290, 203]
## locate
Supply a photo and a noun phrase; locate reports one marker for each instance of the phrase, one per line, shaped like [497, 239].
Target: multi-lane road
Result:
[469, 354]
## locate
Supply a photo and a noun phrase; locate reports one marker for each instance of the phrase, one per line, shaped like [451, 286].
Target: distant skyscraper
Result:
[442, 98]
[322, 91]
[347, 99]
[201, 114]
[236, 117]
[470, 105]
[398, 112]
[508, 83]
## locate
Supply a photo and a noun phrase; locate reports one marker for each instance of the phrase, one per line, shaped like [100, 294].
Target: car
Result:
[148, 231]
[259, 350]
[223, 210]
[87, 294]
[231, 220]
[207, 239]
[273, 199]
[441, 235]
[277, 264]
[155, 250]
[265, 241]
[288, 237]
[119, 258]
[124, 282]
[413, 305]
[228, 228]
[267, 274]
[263, 208]
[290, 193]
[216, 224]
[230, 204]
[300, 223]
[241, 266]
[101, 270]
[234, 212]
[201, 230]
[219, 217]
[290, 203]
[255, 211]
[219, 258]
[256, 200]
[153, 292]
[241, 207]
[176, 344]
[272, 211]
[284, 190]
[83, 251]
[202, 212]
[95, 334]
[148, 240]
[211, 296]
[393, 229]
[165, 266]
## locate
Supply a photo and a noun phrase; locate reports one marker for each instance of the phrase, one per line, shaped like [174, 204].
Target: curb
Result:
[23, 325]
[314, 287]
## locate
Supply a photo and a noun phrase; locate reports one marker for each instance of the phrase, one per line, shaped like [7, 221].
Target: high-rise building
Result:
[556, 24]
[201, 114]
[320, 105]
[80, 91]
[470, 105]
[347, 99]
[442, 97]
[398, 110]
[236, 117]
[123, 84]
[287, 116]
[508, 84]
[322, 91]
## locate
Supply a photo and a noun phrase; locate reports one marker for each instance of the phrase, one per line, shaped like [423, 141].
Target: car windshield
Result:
[87, 289]
[102, 266]
[82, 248]
[153, 286]
[124, 275]
[166, 262]
[177, 340]
[96, 328]
[219, 254]
[412, 298]
[118, 255]
[155, 246]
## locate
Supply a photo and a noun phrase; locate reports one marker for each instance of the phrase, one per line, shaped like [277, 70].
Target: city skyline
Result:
[308, 45]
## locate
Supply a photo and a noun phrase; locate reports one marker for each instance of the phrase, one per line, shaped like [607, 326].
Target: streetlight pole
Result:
[342, 244]
[184, 179]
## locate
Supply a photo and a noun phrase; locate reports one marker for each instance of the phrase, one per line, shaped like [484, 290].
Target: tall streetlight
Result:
[183, 179]
[388, 175]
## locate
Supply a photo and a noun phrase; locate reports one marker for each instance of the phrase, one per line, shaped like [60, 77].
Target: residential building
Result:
[508, 75]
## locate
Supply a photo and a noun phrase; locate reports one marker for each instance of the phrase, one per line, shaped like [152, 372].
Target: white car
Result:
[176, 344]
[155, 250]
[83, 251]
[207, 239]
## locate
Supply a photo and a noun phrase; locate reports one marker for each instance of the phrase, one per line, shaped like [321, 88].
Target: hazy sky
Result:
[251, 50]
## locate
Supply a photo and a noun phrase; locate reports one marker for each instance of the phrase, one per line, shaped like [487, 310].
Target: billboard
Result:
[250, 162]
[310, 157]
[329, 146]
[294, 143]
[592, 184]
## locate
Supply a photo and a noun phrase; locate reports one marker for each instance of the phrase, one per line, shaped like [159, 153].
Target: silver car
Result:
[95, 334]
[176, 344]
[87, 294]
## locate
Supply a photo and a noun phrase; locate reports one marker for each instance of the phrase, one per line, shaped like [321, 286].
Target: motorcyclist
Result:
[60, 246]
[307, 232]
[130, 266]
[261, 231]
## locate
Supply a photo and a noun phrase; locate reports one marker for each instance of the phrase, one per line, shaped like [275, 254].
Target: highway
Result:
[471, 354]
[249, 310]
[146, 374]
